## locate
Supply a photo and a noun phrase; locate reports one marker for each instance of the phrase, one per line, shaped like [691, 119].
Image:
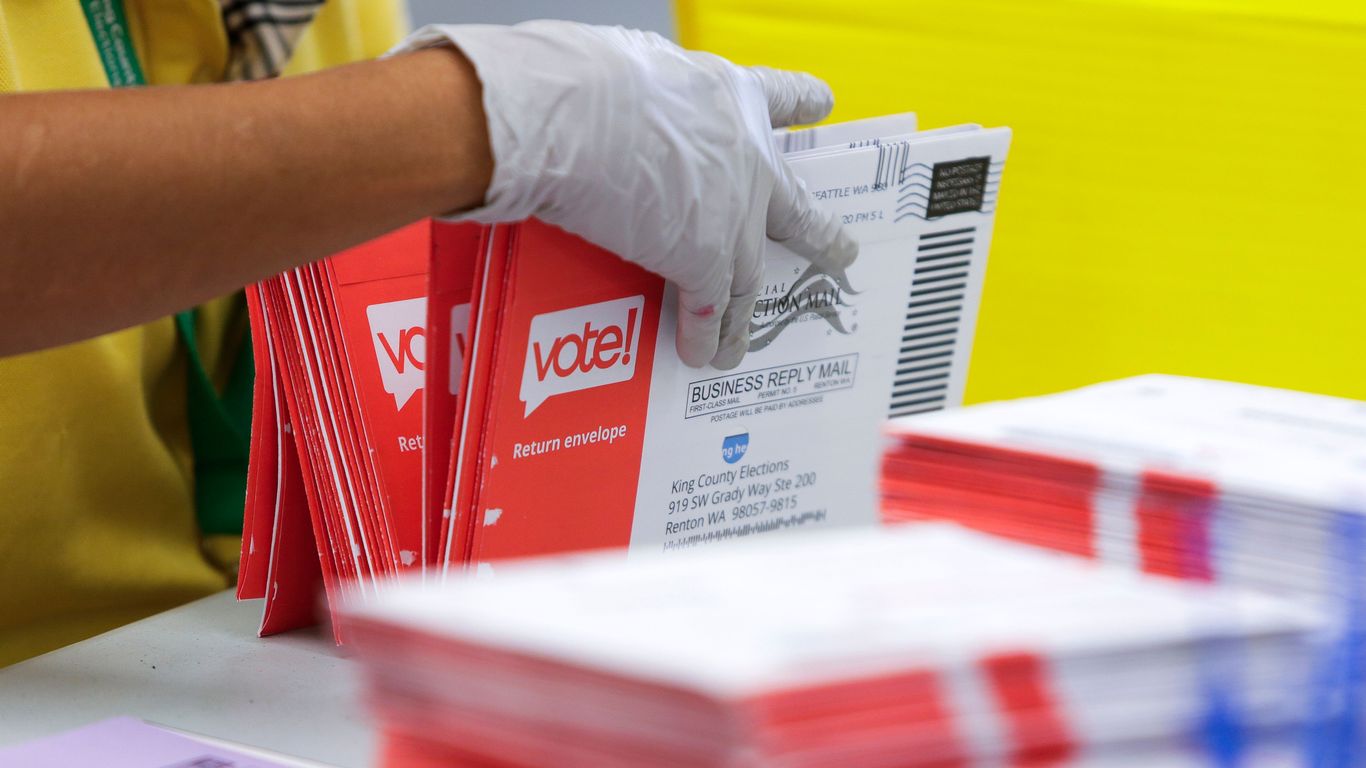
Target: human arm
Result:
[127, 206]
[118, 207]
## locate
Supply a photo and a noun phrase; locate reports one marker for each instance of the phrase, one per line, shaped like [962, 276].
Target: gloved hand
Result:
[660, 155]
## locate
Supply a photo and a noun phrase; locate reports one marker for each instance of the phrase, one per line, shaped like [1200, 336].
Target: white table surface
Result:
[201, 669]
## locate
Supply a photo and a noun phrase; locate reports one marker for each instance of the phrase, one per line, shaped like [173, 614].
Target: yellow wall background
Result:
[1186, 190]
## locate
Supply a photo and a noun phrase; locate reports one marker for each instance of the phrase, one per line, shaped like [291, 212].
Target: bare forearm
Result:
[119, 207]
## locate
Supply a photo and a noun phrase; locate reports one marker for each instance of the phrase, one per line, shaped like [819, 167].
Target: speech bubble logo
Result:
[581, 348]
[399, 331]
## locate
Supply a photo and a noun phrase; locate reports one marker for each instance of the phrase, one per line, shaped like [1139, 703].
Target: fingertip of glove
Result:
[730, 353]
[828, 245]
[794, 98]
[817, 99]
[697, 339]
[694, 355]
[843, 251]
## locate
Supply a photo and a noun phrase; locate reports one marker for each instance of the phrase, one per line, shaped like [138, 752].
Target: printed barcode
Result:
[933, 312]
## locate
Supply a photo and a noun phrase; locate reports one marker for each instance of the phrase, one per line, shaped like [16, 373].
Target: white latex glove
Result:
[660, 155]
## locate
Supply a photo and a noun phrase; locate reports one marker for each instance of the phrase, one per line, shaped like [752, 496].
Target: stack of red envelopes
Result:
[337, 434]
[453, 396]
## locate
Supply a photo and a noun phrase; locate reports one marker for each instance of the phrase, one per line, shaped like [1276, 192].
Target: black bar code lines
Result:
[934, 312]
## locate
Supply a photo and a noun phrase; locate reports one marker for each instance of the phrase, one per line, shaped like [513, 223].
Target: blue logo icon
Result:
[733, 447]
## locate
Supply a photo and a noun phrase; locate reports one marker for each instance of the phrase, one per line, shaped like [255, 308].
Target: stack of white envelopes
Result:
[914, 645]
[1184, 477]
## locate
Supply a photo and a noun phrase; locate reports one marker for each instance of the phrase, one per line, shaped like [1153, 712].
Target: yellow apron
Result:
[97, 525]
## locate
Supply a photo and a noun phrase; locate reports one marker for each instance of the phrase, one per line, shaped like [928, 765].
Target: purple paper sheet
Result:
[124, 742]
